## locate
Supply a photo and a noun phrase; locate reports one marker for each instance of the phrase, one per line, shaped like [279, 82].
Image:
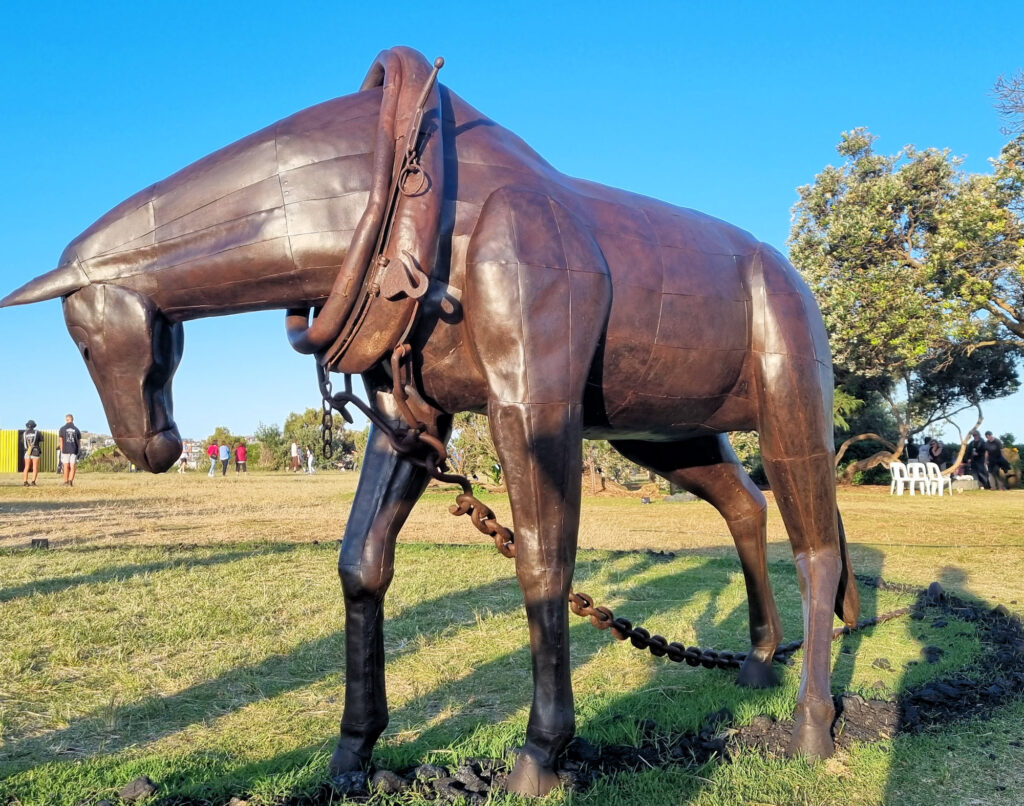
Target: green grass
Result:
[215, 666]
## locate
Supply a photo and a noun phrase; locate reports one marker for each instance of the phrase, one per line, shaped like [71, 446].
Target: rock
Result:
[237, 802]
[932, 654]
[467, 776]
[935, 593]
[140, 788]
[388, 782]
[429, 772]
[882, 663]
[350, 783]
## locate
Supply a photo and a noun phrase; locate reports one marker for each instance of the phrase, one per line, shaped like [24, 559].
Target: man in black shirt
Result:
[70, 446]
[32, 441]
[996, 461]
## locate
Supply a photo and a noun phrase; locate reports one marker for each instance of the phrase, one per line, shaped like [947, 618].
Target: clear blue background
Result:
[726, 108]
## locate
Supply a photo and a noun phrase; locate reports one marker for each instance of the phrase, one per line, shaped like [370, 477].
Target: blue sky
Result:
[726, 108]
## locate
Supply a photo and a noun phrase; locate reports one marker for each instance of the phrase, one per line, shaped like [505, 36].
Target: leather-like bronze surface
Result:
[559, 307]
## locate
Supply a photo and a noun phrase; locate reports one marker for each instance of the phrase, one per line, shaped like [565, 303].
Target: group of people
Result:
[221, 452]
[985, 459]
[69, 445]
[297, 455]
[931, 451]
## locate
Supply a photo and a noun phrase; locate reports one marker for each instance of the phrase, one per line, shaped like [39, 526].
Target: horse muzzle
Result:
[156, 453]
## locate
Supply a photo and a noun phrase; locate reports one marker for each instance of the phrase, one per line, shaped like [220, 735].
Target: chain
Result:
[425, 450]
[604, 619]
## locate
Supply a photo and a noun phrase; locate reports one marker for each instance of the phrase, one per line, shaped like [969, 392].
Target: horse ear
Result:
[57, 283]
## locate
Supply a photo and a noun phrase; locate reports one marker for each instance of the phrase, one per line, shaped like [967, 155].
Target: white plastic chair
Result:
[936, 481]
[900, 477]
[918, 477]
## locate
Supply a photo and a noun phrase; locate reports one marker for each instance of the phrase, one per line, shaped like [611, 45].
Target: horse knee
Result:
[363, 581]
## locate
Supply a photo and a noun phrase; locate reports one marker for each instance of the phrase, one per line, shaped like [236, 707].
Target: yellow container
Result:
[12, 458]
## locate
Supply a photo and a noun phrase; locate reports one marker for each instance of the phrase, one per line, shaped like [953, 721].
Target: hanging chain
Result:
[425, 450]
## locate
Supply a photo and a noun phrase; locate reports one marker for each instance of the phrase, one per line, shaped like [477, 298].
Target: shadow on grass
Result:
[73, 504]
[302, 666]
[504, 678]
[502, 686]
[120, 573]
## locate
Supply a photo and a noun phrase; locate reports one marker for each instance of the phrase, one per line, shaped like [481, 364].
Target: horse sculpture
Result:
[562, 309]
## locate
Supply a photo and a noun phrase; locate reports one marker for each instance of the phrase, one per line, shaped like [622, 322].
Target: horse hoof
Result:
[756, 673]
[812, 736]
[344, 760]
[530, 778]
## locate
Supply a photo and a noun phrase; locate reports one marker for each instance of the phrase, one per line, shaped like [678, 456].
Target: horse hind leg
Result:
[797, 454]
[708, 468]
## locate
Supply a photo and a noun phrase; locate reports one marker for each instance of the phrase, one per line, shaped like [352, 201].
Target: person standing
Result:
[70, 445]
[295, 456]
[935, 450]
[225, 455]
[240, 457]
[32, 441]
[922, 451]
[976, 457]
[211, 453]
[309, 460]
[996, 462]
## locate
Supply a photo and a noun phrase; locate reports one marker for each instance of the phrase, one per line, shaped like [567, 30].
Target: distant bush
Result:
[106, 459]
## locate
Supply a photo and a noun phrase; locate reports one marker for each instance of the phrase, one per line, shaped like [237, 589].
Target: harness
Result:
[374, 301]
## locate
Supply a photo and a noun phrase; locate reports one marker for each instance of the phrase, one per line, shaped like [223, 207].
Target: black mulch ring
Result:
[990, 681]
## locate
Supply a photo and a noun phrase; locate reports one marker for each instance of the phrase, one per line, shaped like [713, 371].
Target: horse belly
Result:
[676, 356]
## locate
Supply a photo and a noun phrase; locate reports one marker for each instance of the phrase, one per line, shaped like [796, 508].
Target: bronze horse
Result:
[561, 308]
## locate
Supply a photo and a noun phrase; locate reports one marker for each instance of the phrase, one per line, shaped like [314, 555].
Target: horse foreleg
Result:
[539, 447]
[388, 488]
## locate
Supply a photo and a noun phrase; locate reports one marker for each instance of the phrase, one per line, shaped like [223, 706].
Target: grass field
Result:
[192, 629]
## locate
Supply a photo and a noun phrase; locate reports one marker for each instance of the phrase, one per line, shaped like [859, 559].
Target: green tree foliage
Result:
[105, 459]
[472, 452]
[272, 447]
[359, 440]
[305, 429]
[222, 434]
[917, 267]
[600, 454]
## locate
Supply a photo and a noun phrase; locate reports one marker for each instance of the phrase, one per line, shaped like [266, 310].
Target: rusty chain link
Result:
[428, 452]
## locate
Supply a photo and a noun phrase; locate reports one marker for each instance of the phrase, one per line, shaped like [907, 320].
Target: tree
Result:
[273, 450]
[305, 429]
[1009, 93]
[916, 266]
[472, 451]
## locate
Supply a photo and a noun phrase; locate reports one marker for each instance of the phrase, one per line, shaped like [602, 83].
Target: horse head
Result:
[131, 350]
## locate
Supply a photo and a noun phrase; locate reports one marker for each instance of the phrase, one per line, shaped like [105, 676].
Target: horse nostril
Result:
[84, 350]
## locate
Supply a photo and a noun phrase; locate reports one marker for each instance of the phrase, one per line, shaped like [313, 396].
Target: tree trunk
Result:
[879, 458]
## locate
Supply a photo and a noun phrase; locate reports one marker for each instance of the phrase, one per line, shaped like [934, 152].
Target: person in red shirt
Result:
[211, 451]
[240, 454]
